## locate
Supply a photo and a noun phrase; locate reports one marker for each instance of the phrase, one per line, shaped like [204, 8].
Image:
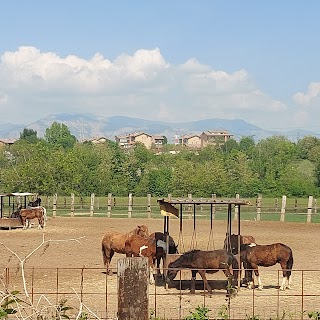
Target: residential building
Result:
[7, 142]
[213, 137]
[129, 140]
[190, 140]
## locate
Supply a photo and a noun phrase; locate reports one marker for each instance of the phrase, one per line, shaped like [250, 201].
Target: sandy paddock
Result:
[57, 267]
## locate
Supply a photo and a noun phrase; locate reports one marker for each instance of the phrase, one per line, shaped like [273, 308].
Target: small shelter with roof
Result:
[174, 208]
[9, 203]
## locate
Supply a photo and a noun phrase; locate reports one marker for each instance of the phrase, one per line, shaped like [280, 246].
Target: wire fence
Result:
[92, 288]
[265, 209]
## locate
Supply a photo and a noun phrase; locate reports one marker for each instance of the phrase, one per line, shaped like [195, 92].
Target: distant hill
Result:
[86, 126]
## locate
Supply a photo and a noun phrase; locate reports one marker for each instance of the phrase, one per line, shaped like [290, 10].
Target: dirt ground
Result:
[76, 244]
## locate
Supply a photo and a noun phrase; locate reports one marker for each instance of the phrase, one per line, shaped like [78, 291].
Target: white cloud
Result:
[140, 85]
[311, 96]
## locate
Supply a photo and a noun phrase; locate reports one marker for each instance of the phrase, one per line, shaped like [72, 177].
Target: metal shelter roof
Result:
[167, 207]
[204, 201]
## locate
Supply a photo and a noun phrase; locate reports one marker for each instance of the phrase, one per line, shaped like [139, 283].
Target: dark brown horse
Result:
[139, 246]
[205, 262]
[28, 214]
[253, 255]
[162, 247]
[231, 242]
[35, 203]
[115, 242]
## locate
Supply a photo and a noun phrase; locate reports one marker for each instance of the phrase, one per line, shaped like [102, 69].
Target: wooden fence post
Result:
[310, 201]
[133, 282]
[283, 207]
[236, 208]
[189, 206]
[295, 205]
[109, 204]
[91, 204]
[149, 205]
[315, 206]
[130, 206]
[72, 205]
[54, 208]
[259, 200]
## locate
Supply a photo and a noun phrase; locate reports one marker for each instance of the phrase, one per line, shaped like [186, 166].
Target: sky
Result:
[172, 61]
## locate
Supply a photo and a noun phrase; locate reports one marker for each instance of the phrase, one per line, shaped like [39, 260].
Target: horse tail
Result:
[44, 213]
[289, 264]
[104, 256]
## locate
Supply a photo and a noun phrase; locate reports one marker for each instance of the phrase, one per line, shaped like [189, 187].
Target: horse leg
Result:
[193, 281]
[205, 281]
[41, 225]
[286, 276]
[249, 276]
[158, 267]
[151, 268]
[108, 257]
[290, 281]
[24, 223]
[256, 272]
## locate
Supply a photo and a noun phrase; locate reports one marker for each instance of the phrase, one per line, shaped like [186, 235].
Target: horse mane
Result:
[191, 251]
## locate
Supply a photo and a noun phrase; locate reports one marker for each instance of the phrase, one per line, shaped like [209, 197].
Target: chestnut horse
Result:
[138, 246]
[161, 251]
[31, 213]
[253, 255]
[205, 262]
[115, 242]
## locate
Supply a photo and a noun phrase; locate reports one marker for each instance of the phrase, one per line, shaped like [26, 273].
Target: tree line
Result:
[58, 163]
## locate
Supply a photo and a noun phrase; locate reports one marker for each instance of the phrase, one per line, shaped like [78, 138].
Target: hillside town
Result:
[196, 141]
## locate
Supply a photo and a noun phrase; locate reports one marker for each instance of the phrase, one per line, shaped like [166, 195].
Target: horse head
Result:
[173, 249]
[142, 231]
[172, 271]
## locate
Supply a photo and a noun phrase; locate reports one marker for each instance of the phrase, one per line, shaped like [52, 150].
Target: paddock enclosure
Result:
[63, 269]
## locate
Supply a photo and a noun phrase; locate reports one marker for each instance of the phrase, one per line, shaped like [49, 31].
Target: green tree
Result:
[308, 148]
[247, 145]
[230, 145]
[59, 135]
[29, 135]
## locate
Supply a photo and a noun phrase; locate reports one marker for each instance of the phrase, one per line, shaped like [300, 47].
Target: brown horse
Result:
[205, 262]
[32, 213]
[115, 242]
[253, 255]
[138, 246]
[162, 247]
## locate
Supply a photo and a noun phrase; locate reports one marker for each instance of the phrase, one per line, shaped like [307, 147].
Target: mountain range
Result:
[87, 126]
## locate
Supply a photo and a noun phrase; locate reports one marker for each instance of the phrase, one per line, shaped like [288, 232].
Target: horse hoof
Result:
[281, 288]
[260, 287]
[109, 273]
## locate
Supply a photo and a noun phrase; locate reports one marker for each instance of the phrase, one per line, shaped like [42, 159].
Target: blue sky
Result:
[162, 60]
